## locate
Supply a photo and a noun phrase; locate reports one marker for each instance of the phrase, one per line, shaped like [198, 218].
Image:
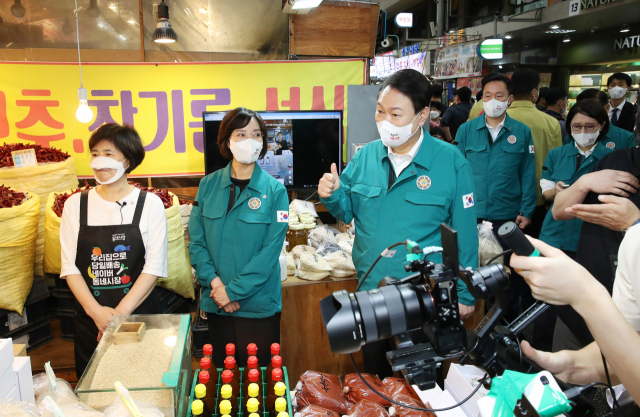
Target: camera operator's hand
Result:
[329, 183]
[559, 364]
[557, 279]
[617, 213]
[466, 311]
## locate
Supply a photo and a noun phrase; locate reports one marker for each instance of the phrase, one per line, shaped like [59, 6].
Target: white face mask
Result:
[586, 139]
[102, 162]
[617, 92]
[393, 135]
[434, 114]
[495, 108]
[564, 109]
[247, 151]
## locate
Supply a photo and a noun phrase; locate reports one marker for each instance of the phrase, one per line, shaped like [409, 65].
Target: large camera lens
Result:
[367, 316]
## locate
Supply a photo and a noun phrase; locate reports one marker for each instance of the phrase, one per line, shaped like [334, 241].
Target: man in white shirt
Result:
[622, 114]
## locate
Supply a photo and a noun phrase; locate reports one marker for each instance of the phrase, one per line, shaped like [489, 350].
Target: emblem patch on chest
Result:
[611, 145]
[423, 182]
[255, 203]
[512, 139]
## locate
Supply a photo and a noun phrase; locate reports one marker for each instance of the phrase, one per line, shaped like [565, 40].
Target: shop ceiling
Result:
[256, 27]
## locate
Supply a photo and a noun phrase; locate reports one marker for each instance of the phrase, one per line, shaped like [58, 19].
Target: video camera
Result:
[425, 304]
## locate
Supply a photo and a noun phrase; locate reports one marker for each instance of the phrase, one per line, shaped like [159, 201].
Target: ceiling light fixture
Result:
[508, 35]
[561, 31]
[18, 9]
[164, 33]
[93, 10]
[500, 66]
[624, 28]
[203, 11]
[567, 38]
[84, 113]
[554, 26]
[306, 4]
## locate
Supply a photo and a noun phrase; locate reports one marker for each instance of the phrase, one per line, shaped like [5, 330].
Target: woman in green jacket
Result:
[237, 228]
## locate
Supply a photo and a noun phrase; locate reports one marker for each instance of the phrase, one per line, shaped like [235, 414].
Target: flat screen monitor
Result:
[302, 145]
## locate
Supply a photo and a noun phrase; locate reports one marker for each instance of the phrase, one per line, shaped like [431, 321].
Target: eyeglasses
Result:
[590, 128]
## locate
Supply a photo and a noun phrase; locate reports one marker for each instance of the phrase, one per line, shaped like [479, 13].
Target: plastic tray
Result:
[240, 400]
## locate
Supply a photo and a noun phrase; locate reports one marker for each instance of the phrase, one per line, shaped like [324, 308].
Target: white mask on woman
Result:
[393, 135]
[247, 151]
[495, 108]
[102, 162]
[434, 114]
[586, 139]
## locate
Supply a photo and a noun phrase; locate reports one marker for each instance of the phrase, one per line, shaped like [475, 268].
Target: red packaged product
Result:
[397, 386]
[366, 408]
[408, 412]
[321, 389]
[316, 411]
[356, 390]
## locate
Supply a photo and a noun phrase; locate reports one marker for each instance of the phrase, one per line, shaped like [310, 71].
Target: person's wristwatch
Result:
[634, 223]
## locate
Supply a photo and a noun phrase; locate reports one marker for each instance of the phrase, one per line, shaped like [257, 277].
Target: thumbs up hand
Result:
[329, 183]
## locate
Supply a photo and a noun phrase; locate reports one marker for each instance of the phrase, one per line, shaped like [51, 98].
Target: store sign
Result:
[385, 65]
[628, 42]
[458, 61]
[588, 4]
[163, 101]
[404, 20]
[490, 49]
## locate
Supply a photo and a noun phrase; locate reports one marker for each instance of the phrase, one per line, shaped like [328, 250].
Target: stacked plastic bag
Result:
[324, 257]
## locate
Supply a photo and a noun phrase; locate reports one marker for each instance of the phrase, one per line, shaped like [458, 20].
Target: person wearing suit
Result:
[621, 113]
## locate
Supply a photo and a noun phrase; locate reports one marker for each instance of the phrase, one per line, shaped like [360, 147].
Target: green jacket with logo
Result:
[435, 188]
[241, 247]
[503, 171]
[615, 138]
[561, 166]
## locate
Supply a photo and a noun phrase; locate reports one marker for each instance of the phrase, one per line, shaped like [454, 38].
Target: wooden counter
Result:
[303, 337]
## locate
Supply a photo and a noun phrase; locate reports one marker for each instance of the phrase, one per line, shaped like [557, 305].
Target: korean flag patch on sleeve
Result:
[467, 200]
[283, 216]
[532, 149]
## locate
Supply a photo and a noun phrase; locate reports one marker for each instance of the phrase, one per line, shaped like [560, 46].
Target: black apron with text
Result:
[110, 259]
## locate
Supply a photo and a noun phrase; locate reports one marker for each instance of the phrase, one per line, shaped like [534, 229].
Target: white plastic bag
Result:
[488, 244]
[10, 407]
[118, 409]
[322, 234]
[340, 260]
[327, 248]
[313, 263]
[347, 246]
[62, 393]
[72, 410]
[301, 206]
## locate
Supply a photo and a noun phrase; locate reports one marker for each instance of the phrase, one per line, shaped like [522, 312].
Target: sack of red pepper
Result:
[19, 213]
[323, 394]
[55, 172]
[179, 278]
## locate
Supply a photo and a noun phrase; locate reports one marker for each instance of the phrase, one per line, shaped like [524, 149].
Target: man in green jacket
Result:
[501, 154]
[403, 186]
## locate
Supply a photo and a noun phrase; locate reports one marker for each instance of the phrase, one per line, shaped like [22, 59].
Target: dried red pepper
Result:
[43, 155]
[10, 198]
[58, 203]
[167, 200]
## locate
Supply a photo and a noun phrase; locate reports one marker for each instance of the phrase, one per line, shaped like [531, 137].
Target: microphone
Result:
[121, 204]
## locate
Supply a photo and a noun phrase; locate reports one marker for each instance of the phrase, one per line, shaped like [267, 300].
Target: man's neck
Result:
[494, 122]
[615, 102]
[406, 147]
[556, 109]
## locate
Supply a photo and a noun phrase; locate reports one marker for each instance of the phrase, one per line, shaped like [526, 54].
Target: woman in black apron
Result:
[112, 273]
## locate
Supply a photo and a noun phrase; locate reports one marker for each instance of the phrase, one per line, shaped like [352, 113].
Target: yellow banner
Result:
[163, 101]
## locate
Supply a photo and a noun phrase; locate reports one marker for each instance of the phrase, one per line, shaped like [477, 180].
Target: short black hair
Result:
[463, 93]
[436, 90]
[542, 94]
[553, 95]
[125, 138]
[524, 81]
[620, 76]
[593, 94]
[592, 109]
[479, 95]
[412, 84]
[438, 105]
[237, 119]
[438, 131]
[497, 77]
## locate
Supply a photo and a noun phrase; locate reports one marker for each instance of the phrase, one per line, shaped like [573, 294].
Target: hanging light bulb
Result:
[18, 9]
[84, 113]
[67, 29]
[164, 33]
[93, 9]
[3, 27]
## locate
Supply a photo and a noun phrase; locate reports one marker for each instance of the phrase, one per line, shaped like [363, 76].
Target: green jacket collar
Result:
[523, 104]
[257, 183]
[424, 157]
[599, 151]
